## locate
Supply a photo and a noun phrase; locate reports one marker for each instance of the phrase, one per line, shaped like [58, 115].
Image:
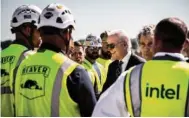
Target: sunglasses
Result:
[112, 45]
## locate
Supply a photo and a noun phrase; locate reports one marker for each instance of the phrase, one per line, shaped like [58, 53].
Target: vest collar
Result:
[169, 56]
[49, 47]
[20, 42]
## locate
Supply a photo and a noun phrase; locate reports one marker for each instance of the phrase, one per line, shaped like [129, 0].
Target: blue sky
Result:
[95, 16]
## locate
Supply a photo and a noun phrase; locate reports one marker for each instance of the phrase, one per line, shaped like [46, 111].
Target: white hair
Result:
[122, 35]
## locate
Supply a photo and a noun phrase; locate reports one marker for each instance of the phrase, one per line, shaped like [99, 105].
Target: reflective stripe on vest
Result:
[94, 76]
[135, 91]
[21, 58]
[95, 66]
[57, 88]
[187, 103]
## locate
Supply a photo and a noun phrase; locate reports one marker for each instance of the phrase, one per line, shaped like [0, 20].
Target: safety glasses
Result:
[93, 48]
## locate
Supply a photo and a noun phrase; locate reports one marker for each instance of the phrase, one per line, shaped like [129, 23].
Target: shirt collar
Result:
[170, 54]
[126, 58]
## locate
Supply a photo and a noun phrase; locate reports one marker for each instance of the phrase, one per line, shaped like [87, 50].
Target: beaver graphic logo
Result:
[4, 76]
[32, 88]
[33, 80]
[31, 84]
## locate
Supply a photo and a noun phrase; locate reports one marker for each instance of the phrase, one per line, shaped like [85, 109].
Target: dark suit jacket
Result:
[111, 76]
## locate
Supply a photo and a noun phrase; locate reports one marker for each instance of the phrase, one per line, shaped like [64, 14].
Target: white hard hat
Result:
[93, 41]
[56, 15]
[25, 14]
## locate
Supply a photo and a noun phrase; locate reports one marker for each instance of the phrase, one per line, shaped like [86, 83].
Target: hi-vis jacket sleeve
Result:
[111, 102]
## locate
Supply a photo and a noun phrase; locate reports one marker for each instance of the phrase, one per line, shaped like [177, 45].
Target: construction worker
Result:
[185, 48]
[48, 83]
[78, 54]
[105, 55]
[24, 26]
[158, 87]
[92, 48]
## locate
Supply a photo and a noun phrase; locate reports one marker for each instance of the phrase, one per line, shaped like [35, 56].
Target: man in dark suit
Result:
[120, 47]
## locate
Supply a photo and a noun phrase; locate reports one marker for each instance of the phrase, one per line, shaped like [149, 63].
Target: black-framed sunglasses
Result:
[112, 45]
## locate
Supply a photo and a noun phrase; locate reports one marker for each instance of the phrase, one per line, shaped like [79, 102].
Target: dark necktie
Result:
[119, 69]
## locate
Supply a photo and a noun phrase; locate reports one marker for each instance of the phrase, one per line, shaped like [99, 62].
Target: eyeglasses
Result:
[112, 45]
[93, 48]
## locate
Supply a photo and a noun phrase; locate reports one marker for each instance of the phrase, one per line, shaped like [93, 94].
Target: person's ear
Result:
[157, 45]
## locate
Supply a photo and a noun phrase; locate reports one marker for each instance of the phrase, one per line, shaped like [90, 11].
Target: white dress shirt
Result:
[111, 102]
[125, 61]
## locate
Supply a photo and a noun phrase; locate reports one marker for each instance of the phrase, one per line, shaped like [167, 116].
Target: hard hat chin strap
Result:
[66, 41]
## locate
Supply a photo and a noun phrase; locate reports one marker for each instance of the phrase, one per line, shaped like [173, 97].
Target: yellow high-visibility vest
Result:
[9, 60]
[41, 86]
[158, 88]
[94, 75]
[105, 63]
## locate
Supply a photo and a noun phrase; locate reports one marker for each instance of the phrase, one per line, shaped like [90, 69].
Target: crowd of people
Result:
[45, 72]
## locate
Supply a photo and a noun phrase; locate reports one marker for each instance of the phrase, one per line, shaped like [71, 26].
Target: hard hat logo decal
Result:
[48, 15]
[59, 6]
[27, 16]
[87, 43]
